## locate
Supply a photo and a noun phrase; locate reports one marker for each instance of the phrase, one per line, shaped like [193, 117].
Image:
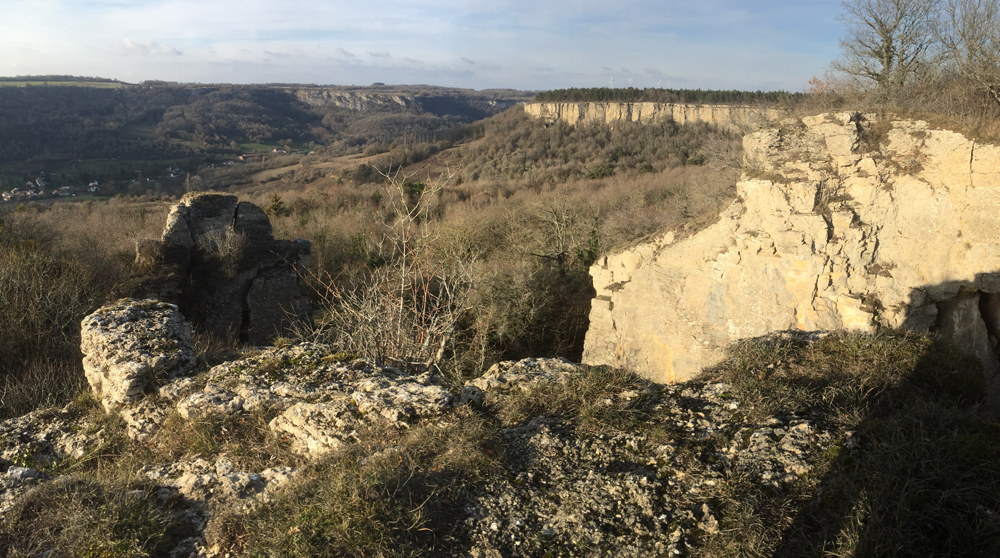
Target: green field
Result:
[258, 147]
[97, 84]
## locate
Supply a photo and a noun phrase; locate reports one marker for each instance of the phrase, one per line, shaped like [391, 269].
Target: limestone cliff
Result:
[645, 113]
[841, 223]
[353, 100]
[438, 101]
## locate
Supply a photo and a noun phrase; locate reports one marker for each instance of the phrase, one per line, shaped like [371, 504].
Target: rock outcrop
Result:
[726, 116]
[642, 493]
[130, 345]
[218, 260]
[841, 223]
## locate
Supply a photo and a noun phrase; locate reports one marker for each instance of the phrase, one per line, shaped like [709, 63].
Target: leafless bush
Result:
[408, 309]
[226, 248]
[752, 119]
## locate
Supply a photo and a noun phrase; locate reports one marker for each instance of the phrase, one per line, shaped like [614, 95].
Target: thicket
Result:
[58, 264]
[514, 249]
[513, 145]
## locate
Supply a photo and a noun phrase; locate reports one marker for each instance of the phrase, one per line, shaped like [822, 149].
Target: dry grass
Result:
[924, 479]
[391, 494]
[57, 264]
[87, 518]
[591, 398]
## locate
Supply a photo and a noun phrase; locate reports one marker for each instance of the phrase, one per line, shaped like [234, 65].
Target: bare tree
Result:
[970, 35]
[888, 42]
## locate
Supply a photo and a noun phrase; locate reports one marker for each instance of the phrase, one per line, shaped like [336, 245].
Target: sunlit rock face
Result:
[840, 223]
[611, 113]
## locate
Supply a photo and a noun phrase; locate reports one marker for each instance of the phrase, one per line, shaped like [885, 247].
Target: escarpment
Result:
[726, 116]
[841, 222]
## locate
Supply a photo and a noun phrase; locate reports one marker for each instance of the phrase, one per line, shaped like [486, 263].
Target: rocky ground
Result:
[650, 489]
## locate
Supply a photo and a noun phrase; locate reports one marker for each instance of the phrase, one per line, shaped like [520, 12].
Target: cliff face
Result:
[352, 100]
[824, 236]
[475, 105]
[645, 113]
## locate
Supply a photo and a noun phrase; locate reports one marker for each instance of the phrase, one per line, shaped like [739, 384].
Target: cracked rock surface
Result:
[643, 493]
[132, 343]
[561, 490]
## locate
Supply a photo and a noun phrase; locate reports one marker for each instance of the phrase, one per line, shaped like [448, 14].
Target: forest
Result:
[659, 95]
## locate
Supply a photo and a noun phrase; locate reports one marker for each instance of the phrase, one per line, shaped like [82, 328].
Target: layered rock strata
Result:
[727, 116]
[219, 261]
[841, 223]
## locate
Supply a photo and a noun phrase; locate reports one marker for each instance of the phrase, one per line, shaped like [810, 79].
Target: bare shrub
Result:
[57, 265]
[408, 309]
[226, 249]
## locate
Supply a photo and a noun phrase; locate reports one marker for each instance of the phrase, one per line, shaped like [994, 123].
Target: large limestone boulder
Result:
[132, 344]
[837, 226]
[218, 260]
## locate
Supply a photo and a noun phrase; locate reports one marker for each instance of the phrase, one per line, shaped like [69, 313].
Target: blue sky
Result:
[718, 44]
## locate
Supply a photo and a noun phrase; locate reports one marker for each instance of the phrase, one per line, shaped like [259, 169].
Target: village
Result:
[39, 189]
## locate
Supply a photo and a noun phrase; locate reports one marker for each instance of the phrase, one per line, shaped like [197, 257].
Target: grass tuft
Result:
[390, 495]
[921, 476]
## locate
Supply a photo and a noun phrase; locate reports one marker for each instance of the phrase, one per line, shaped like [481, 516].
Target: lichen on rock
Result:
[130, 345]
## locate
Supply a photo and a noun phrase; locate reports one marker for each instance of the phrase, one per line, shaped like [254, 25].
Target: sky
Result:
[531, 45]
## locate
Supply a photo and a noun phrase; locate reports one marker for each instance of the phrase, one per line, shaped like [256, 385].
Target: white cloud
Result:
[146, 48]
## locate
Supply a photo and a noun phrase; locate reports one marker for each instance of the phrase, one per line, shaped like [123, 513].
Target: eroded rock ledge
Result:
[841, 223]
[640, 493]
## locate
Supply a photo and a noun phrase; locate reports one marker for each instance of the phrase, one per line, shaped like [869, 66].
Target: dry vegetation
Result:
[503, 253]
[501, 244]
[919, 477]
[57, 264]
[923, 478]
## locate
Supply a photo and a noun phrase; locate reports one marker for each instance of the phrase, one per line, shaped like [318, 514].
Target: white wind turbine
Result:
[630, 82]
[612, 80]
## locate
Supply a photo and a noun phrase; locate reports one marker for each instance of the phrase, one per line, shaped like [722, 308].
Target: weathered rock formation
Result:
[130, 345]
[635, 493]
[841, 223]
[611, 113]
[218, 260]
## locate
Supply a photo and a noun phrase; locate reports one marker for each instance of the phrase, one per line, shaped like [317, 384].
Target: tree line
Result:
[658, 95]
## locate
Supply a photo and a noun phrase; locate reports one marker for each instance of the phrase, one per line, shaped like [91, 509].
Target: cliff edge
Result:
[842, 223]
